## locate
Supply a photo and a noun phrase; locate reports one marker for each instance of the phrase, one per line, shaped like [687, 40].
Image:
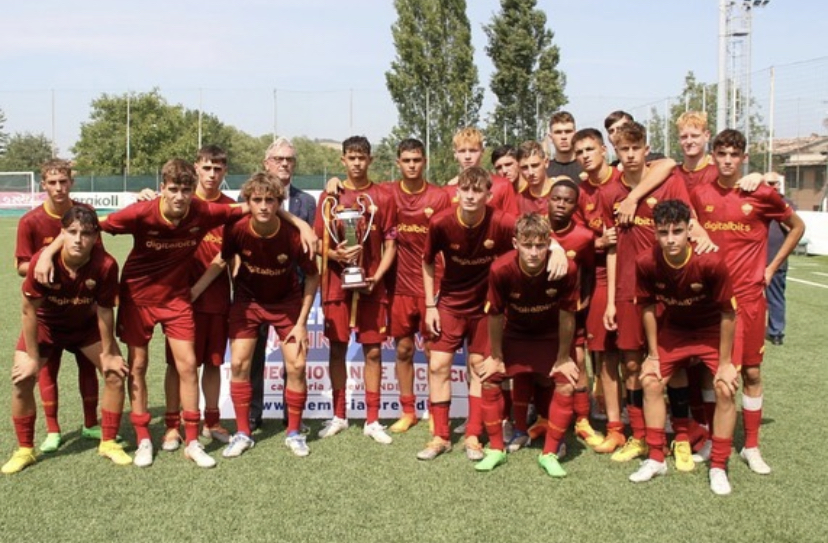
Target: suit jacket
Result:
[302, 204]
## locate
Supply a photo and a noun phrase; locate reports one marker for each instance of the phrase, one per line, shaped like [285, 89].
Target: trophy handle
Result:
[371, 212]
[328, 204]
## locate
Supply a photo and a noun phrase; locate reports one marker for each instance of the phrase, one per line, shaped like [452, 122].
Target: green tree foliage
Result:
[528, 85]
[25, 152]
[433, 79]
[4, 136]
[314, 157]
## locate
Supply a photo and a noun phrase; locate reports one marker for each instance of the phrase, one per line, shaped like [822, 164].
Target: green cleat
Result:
[549, 463]
[492, 459]
[51, 443]
[91, 433]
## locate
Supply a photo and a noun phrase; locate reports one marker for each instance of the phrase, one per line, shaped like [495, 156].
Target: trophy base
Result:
[353, 278]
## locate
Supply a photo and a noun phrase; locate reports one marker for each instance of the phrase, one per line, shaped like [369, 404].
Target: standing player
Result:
[268, 289]
[561, 131]
[529, 318]
[210, 309]
[697, 168]
[534, 195]
[698, 323]
[363, 310]
[738, 222]
[37, 229]
[73, 313]
[505, 164]
[416, 201]
[469, 237]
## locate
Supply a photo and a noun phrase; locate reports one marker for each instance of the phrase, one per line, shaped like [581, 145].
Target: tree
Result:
[433, 79]
[4, 136]
[26, 152]
[526, 81]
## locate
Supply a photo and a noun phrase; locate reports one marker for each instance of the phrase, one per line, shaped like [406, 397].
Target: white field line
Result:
[809, 283]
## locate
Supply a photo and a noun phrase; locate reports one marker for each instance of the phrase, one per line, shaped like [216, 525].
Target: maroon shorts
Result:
[677, 347]
[455, 328]
[136, 322]
[598, 337]
[407, 316]
[630, 327]
[210, 339]
[529, 356]
[370, 324]
[749, 342]
[51, 344]
[246, 316]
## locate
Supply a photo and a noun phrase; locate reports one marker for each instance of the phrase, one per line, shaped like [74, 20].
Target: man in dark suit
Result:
[279, 161]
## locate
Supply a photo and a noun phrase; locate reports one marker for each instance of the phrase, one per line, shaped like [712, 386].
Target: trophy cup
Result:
[352, 226]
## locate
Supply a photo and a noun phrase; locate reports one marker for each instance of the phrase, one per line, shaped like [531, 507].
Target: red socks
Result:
[560, 415]
[581, 404]
[24, 428]
[720, 452]
[211, 417]
[110, 422]
[440, 417]
[492, 411]
[141, 423]
[372, 405]
[474, 424]
[339, 403]
[241, 393]
[47, 383]
[191, 420]
[407, 403]
[88, 385]
[656, 441]
[295, 404]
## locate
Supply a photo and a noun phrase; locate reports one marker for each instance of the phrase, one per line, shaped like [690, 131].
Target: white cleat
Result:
[648, 470]
[332, 427]
[719, 483]
[143, 455]
[376, 431]
[195, 451]
[754, 460]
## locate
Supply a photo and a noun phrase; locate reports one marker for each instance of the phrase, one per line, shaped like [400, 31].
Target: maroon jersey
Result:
[579, 244]
[694, 294]
[590, 214]
[216, 297]
[530, 302]
[156, 268]
[639, 236]
[384, 227]
[503, 195]
[705, 173]
[737, 221]
[70, 303]
[269, 266]
[468, 251]
[413, 213]
[37, 229]
[529, 203]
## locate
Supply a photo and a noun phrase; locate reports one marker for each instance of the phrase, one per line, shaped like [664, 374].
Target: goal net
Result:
[18, 190]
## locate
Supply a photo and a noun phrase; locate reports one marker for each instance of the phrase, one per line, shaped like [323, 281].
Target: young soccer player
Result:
[561, 131]
[534, 195]
[416, 201]
[529, 318]
[363, 310]
[73, 313]
[738, 223]
[210, 310]
[505, 164]
[37, 229]
[698, 322]
[268, 289]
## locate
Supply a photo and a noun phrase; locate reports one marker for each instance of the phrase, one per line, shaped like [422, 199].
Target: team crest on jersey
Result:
[590, 206]
[247, 252]
[48, 241]
[551, 292]
[652, 202]
[428, 212]
[90, 283]
[195, 229]
[282, 258]
[696, 287]
[708, 209]
[455, 246]
[488, 244]
[660, 286]
[571, 254]
[514, 295]
[747, 208]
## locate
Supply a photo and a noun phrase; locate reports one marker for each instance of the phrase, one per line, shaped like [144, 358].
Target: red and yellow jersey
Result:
[216, 297]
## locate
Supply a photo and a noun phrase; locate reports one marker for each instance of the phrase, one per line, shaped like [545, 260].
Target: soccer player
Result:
[210, 310]
[268, 289]
[73, 313]
[529, 318]
[697, 168]
[279, 161]
[363, 310]
[416, 201]
[738, 223]
[578, 243]
[36, 229]
[561, 130]
[698, 322]
[469, 237]
[622, 314]
[534, 195]
[505, 164]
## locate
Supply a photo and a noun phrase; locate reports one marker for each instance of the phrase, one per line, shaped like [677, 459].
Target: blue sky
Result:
[327, 59]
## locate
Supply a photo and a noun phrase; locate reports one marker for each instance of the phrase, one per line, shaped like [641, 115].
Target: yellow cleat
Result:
[20, 460]
[633, 448]
[405, 422]
[538, 429]
[114, 451]
[587, 433]
[683, 453]
[610, 443]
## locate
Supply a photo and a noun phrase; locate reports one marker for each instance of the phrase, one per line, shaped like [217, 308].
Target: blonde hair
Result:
[468, 135]
[695, 119]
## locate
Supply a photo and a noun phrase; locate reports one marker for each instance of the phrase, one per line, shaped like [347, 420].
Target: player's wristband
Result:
[431, 306]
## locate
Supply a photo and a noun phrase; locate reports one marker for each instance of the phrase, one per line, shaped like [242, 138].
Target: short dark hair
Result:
[564, 181]
[616, 116]
[85, 215]
[671, 212]
[632, 132]
[410, 145]
[730, 138]
[588, 133]
[58, 165]
[530, 148]
[178, 171]
[475, 177]
[359, 144]
[502, 151]
[560, 117]
[213, 153]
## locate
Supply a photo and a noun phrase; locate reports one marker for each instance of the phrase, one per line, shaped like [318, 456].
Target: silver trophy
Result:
[351, 225]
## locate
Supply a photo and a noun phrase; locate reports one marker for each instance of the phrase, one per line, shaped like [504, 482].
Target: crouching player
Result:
[73, 313]
[530, 317]
[268, 289]
[698, 321]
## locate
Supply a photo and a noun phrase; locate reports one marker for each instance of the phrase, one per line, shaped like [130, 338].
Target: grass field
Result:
[352, 489]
